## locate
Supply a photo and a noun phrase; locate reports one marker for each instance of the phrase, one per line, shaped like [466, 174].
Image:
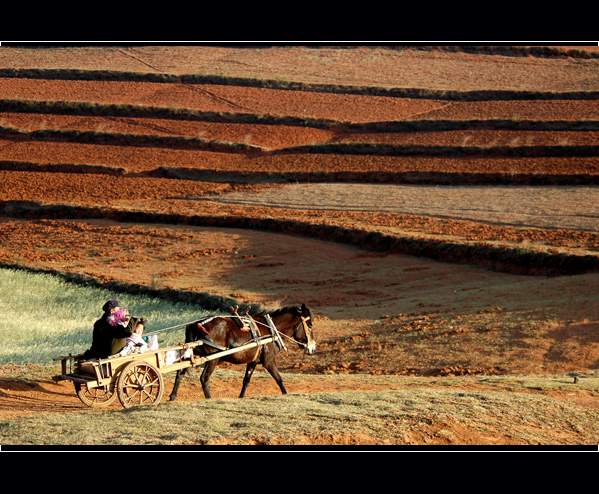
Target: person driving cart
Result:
[115, 323]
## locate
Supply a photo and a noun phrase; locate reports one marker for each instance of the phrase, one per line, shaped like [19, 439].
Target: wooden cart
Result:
[136, 379]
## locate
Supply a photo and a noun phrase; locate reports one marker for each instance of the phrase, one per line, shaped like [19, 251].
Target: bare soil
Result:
[516, 110]
[268, 136]
[335, 409]
[213, 98]
[282, 136]
[23, 396]
[92, 189]
[343, 107]
[474, 138]
[135, 159]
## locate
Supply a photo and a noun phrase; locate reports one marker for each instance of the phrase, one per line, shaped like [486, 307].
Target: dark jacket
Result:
[103, 335]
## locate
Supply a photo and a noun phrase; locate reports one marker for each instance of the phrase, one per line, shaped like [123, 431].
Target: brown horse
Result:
[293, 321]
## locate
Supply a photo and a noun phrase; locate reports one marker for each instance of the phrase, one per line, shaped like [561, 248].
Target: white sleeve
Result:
[127, 350]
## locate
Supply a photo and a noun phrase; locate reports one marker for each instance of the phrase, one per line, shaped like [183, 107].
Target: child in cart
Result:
[135, 343]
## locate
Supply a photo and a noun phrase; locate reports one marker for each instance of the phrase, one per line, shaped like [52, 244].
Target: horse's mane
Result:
[279, 311]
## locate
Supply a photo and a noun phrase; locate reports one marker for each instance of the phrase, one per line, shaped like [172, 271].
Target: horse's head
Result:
[296, 322]
[303, 330]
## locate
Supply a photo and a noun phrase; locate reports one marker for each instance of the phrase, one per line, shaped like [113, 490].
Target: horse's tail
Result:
[191, 333]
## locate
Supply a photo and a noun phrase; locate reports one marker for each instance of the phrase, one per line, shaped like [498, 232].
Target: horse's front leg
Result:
[249, 370]
[173, 395]
[271, 367]
[206, 373]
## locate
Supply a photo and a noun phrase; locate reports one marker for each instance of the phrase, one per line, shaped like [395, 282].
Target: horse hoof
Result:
[172, 398]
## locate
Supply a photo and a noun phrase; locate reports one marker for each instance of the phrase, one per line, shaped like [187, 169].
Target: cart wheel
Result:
[96, 397]
[140, 383]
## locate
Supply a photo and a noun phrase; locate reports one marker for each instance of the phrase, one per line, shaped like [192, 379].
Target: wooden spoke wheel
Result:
[96, 397]
[140, 383]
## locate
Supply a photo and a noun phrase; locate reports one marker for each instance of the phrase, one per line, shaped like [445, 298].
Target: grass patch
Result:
[43, 316]
[398, 417]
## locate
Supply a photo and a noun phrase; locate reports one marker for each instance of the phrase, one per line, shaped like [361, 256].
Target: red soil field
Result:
[362, 66]
[475, 138]
[280, 136]
[268, 136]
[194, 258]
[180, 196]
[131, 158]
[135, 159]
[343, 107]
[213, 98]
[516, 110]
[102, 190]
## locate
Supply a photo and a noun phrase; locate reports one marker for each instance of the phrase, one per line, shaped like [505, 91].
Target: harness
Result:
[307, 331]
[248, 323]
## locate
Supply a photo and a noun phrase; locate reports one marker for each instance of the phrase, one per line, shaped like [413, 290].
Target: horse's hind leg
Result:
[206, 373]
[249, 370]
[180, 373]
[271, 367]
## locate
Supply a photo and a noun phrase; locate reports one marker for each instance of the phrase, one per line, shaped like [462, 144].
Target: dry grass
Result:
[418, 415]
[545, 207]
[583, 52]
[361, 66]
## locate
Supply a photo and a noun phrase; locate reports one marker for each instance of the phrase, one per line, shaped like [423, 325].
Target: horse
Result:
[295, 322]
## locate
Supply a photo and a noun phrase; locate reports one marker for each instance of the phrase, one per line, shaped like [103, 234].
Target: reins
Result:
[182, 325]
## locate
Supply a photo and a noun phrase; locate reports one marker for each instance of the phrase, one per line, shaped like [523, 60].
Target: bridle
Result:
[307, 331]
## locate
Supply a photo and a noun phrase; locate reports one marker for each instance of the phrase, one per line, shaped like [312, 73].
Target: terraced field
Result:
[474, 138]
[463, 183]
[548, 207]
[213, 98]
[40, 161]
[267, 136]
[362, 66]
[286, 136]
[148, 159]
